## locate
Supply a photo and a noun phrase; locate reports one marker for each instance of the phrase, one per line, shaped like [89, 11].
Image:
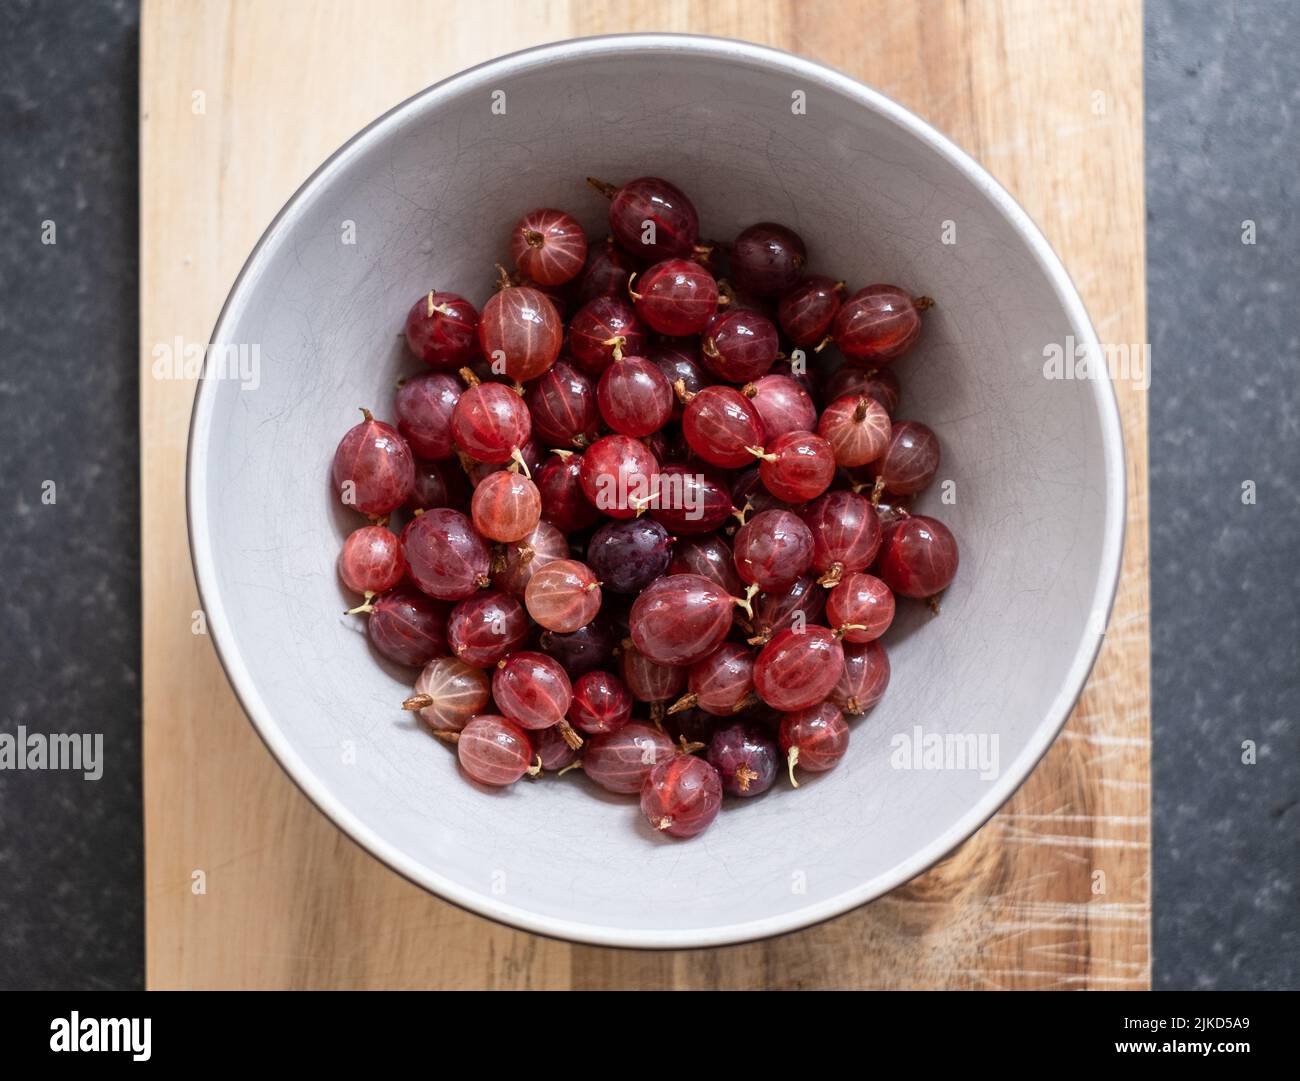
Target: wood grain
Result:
[1052, 893]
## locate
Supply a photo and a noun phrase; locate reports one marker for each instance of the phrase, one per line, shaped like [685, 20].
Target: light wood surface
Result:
[1047, 95]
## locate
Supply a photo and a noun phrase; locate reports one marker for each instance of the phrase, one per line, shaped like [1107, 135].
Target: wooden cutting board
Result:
[247, 884]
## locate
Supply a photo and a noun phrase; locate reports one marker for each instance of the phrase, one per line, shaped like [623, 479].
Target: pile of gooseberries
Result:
[649, 527]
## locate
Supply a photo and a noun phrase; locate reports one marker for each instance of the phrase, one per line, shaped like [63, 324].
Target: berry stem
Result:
[792, 760]
[746, 602]
[686, 701]
[570, 736]
[618, 341]
[518, 460]
[832, 576]
[605, 188]
[365, 607]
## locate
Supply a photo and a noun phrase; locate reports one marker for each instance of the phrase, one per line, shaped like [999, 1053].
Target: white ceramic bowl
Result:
[433, 187]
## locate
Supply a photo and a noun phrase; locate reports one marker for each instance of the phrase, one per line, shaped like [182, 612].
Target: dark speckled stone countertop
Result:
[1223, 149]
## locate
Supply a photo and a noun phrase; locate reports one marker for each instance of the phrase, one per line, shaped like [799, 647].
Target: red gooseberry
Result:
[442, 330]
[373, 469]
[548, 246]
[814, 738]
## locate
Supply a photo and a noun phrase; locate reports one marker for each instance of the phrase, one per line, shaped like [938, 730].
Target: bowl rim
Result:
[222, 635]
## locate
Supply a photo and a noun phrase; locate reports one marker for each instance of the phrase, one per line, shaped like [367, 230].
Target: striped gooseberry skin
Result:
[494, 750]
[720, 424]
[442, 330]
[446, 557]
[815, 738]
[606, 273]
[803, 601]
[438, 484]
[490, 422]
[864, 679]
[677, 362]
[721, 682]
[918, 557]
[371, 560]
[628, 556]
[649, 681]
[531, 689]
[710, 557]
[681, 797]
[782, 404]
[689, 500]
[746, 758]
[581, 651]
[739, 345]
[634, 396]
[552, 749]
[882, 385]
[563, 596]
[564, 503]
[767, 259]
[486, 627]
[772, 549]
[424, 405]
[748, 490]
[373, 469]
[682, 618]
[617, 475]
[520, 330]
[676, 297]
[562, 403]
[548, 246]
[506, 506]
[515, 563]
[857, 428]
[620, 761]
[878, 323]
[846, 534]
[650, 199]
[797, 467]
[861, 607]
[601, 326]
[798, 668]
[601, 703]
[807, 311]
[458, 690]
[911, 459]
[407, 627]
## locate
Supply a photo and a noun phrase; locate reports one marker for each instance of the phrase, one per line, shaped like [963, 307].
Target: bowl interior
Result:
[430, 192]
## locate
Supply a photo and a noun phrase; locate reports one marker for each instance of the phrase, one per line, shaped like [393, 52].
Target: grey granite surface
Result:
[1223, 147]
[71, 849]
